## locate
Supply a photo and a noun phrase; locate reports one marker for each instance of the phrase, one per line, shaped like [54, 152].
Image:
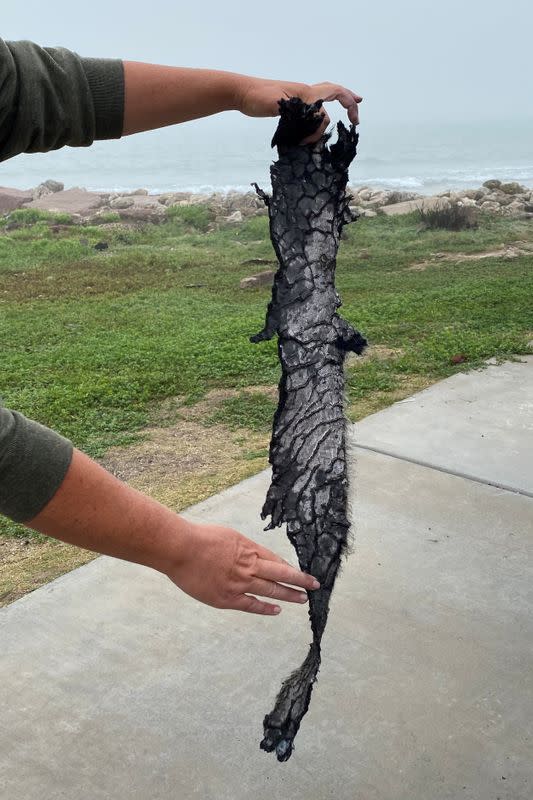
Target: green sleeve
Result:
[33, 463]
[51, 97]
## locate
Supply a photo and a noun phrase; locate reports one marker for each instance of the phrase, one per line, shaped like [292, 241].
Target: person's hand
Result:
[259, 98]
[224, 569]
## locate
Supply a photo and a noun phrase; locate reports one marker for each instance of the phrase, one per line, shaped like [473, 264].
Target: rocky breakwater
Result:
[138, 207]
[494, 197]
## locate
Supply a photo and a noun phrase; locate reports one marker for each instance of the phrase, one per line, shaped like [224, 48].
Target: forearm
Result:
[94, 510]
[156, 95]
[214, 564]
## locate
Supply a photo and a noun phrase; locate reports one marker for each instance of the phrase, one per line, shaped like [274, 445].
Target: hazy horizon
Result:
[445, 87]
[409, 60]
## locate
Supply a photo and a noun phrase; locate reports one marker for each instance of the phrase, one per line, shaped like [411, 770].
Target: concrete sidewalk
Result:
[113, 685]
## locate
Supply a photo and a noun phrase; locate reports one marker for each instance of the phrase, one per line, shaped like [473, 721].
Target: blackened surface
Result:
[307, 211]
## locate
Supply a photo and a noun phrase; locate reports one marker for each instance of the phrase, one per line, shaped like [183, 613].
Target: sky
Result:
[413, 61]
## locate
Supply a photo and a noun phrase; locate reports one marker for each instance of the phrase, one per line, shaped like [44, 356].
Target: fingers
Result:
[283, 573]
[252, 605]
[276, 591]
[320, 132]
[348, 99]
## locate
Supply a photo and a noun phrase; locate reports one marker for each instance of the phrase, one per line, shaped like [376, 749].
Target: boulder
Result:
[122, 202]
[10, 199]
[492, 184]
[144, 213]
[498, 197]
[235, 217]
[70, 201]
[260, 279]
[512, 188]
[173, 198]
[47, 187]
[399, 197]
[492, 208]
[414, 205]
[475, 194]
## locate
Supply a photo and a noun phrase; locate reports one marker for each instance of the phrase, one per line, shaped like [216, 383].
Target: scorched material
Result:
[307, 210]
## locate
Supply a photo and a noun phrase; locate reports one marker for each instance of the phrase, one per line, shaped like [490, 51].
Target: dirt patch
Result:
[173, 409]
[509, 251]
[26, 564]
[186, 462]
[377, 352]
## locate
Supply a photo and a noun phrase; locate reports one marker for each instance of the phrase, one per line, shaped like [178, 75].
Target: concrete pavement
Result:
[114, 685]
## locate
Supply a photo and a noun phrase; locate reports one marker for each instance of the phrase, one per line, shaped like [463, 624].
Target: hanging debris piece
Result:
[307, 210]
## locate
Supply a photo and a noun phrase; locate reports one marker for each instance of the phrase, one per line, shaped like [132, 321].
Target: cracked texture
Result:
[307, 211]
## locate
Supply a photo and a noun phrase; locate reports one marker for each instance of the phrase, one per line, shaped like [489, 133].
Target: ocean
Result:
[230, 151]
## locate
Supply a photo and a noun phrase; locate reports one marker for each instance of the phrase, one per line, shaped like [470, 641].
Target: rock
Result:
[512, 188]
[516, 207]
[455, 197]
[492, 184]
[173, 198]
[414, 205]
[48, 187]
[364, 194]
[235, 217]
[467, 201]
[122, 202]
[260, 279]
[144, 213]
[528, 208]
[490, 207]
[498, 197]
[475, 194]
[10, 199]
[399, 197]
[196, 199]
[71, 201]
[367, 212]
[139, 192]
[377, 200]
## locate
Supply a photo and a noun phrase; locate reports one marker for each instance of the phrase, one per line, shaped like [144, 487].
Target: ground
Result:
[139, 353]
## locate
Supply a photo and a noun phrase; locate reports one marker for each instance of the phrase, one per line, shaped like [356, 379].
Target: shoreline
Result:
[85, 206]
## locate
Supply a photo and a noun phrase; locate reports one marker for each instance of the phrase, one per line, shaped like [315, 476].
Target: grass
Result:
[449, 217]
[93, 342]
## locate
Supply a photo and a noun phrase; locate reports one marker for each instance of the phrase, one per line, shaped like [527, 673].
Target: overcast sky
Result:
[411, 60]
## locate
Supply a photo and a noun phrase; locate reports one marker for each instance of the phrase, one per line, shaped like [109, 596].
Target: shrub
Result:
[30, 216]
[196, 216]
[451, 217]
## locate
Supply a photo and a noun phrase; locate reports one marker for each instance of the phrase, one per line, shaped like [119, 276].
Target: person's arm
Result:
[51, 97]
[156, 96]
[49, 486]
[213, 564]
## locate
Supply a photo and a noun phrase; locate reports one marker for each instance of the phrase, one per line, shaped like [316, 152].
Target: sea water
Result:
[229, 151]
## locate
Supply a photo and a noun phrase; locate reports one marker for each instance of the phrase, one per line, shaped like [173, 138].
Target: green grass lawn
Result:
[93, 341]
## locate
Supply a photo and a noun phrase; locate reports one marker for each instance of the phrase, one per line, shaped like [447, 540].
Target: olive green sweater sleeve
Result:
[51, 97]
[33, 462]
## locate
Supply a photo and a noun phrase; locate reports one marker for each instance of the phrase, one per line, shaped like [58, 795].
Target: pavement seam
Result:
[465, 475]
